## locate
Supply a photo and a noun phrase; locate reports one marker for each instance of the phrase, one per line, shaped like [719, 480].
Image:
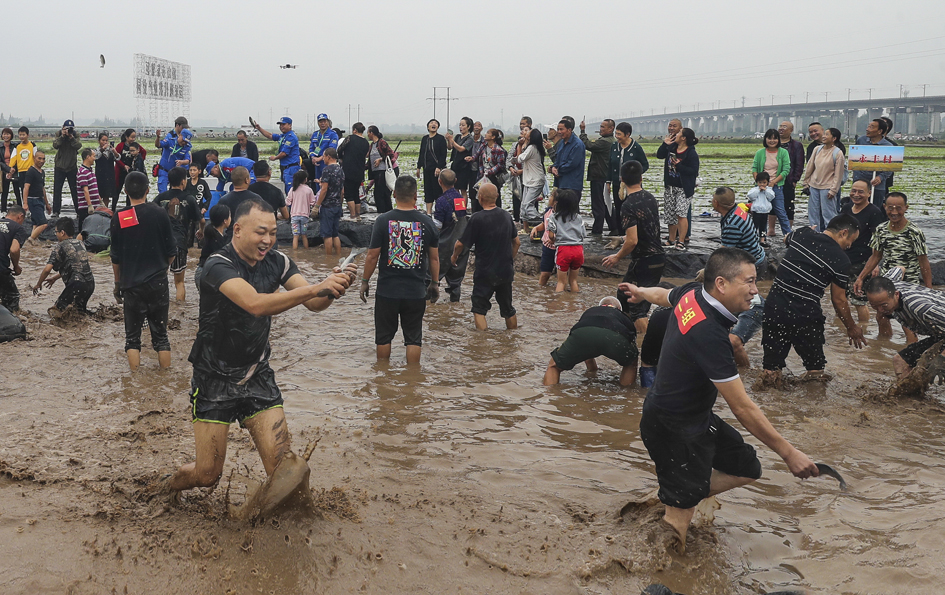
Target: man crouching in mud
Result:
[232, 379]
[697, 455]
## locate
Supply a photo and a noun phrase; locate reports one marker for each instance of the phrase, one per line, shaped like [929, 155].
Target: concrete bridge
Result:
[912, 115]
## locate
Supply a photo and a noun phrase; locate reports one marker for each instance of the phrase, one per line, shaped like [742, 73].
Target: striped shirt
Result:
[920, 309]
[813, 261]
[738, 231]
[85, 178]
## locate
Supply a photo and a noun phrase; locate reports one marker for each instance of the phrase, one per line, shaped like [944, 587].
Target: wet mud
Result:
[463, 475]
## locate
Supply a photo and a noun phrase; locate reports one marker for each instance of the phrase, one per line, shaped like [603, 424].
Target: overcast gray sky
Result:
[502, 58]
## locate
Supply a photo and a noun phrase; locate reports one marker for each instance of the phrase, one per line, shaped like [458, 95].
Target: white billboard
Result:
[157, 78]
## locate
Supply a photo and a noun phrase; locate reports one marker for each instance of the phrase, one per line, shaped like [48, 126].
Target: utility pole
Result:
[790, 99]
[772, 100]
[826, 95]
[848, 93]
[435, 99]
[923, 89]
[871, 93]
[806, 96]
[900, 91]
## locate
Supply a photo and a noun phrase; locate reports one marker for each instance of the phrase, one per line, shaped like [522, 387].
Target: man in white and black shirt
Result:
[918, 308]
[697, 454]
[793, 316]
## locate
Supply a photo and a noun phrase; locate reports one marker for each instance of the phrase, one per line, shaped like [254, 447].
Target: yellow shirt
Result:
[22, 160]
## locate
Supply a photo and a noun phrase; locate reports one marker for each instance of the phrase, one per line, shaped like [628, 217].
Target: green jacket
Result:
[633, 153]
[67, 152]
[784, 164]
[598, 166]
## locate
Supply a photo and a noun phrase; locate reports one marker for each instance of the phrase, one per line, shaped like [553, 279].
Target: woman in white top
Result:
[532, 160]
[824, 176]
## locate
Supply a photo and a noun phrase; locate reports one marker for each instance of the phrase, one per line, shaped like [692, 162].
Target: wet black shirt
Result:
[869, 219]
[490, 232]
[36, 178]
[232, 343]
[187, 213]
[404, 238]
[353, 155]
[696, 353]
[9, 231]
[200, 191]
[142, 247]
[612, 319]
[640, 209]
[269, 193]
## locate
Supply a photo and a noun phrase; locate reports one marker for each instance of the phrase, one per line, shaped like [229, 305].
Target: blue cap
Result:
[186, 134]
[68, 124]
[284, 120]
[322, 116]
[210, 166]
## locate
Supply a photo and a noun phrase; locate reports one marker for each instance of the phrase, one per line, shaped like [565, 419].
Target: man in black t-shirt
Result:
[142, 248]
[640, 217]
[491, 232]
[793, 316]
[232, 379]
[183, 210]
[603, 330]
[12, 237]
[353, 152]
[869, 217]
[697, 455]
[240, 192]
[269, 191]
[35, 199]
[404, 244]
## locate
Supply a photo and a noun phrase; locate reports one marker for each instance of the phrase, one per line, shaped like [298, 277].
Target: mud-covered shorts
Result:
[589, 342]
[222, 401]
[179, 264]
[684, 464]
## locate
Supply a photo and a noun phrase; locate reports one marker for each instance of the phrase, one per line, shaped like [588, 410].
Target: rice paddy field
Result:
[722, 164]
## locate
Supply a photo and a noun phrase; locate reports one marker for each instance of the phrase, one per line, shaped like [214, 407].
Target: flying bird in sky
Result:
[289, 66]
[101, 58]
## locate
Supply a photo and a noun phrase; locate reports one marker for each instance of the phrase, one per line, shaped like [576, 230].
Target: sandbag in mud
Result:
[10, 326]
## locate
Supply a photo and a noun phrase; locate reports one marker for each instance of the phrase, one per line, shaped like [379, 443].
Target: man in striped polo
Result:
[793, 316]
[920, 309]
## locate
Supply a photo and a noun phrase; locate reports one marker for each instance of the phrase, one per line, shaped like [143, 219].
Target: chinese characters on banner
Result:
[156, 78]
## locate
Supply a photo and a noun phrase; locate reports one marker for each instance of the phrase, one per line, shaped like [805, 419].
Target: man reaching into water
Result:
[232, 380]
[697, 455]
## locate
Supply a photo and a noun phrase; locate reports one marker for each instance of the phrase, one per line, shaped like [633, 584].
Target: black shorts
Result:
[352, 190]
[590, 341]
[482, 298]
[547, 260]
[410, 312]
[913, 352]
[148, 301]
[645, 272]
[223, 401]
[684, 464]
[179, 264]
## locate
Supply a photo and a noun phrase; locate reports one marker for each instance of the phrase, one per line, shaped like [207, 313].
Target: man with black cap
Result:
[289, 157]
[175, 147]
[65, 167]
[324, 138]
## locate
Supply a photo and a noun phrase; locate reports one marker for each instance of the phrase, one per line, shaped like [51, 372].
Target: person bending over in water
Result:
[232, 380]
[603, 330]
[697, 455]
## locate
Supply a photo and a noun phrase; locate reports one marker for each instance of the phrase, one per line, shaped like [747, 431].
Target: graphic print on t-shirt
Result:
[406, 243]
[688, 313]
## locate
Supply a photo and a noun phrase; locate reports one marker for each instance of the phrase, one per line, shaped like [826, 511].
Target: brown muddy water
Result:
[462, 476]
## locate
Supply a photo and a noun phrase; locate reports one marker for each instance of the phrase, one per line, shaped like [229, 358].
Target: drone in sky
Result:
[289, 66]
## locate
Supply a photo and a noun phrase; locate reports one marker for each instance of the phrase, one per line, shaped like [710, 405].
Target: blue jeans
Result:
[777, 209]
[821, 208]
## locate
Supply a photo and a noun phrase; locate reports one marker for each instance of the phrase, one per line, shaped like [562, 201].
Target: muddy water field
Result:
[462, 475]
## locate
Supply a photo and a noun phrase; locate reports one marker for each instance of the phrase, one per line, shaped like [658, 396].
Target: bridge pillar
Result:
[910, 121]
[935, 122]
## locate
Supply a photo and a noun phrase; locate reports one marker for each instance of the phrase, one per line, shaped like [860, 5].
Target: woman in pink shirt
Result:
[300, 199]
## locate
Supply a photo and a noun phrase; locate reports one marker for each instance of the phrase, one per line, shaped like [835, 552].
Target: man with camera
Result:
[67, 147]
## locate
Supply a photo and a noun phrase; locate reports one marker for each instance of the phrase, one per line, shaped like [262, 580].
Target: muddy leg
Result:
[679, 519]
[552, 374]
[270, 435]
[205, 471]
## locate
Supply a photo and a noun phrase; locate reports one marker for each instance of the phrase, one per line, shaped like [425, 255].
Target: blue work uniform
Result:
[292, 162]
[229, 164]
[171, 153]
[316, 148]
